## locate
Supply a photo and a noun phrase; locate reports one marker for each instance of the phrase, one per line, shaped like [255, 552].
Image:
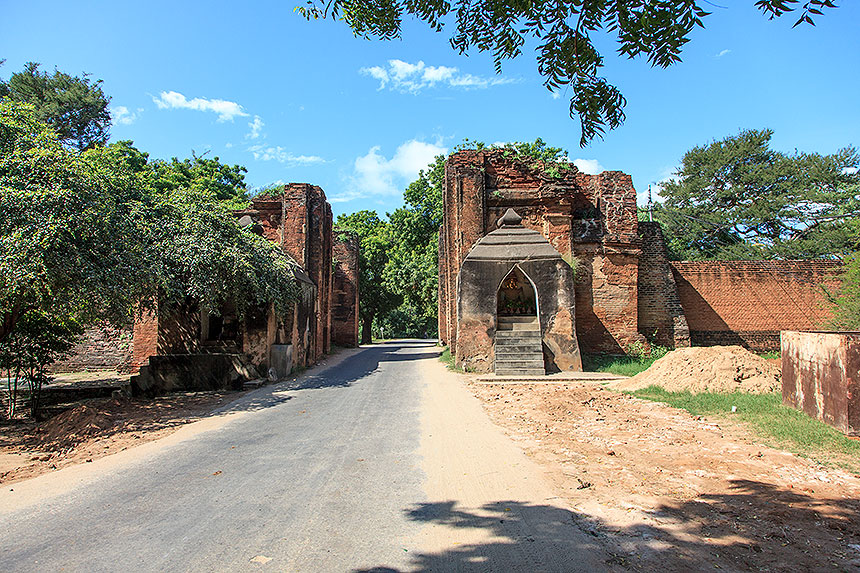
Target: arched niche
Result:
[516, 299]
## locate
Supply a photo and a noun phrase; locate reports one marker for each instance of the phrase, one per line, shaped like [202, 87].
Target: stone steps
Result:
[519, 353]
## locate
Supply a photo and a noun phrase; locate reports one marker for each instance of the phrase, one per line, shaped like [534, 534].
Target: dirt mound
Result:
[81, 423]
[709, 369]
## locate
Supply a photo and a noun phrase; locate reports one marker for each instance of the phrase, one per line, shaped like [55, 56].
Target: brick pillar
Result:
[465, 206]
[145, 343]
[344, 310]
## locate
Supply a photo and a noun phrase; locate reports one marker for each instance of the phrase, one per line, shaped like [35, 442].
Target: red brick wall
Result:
[300, 219]
[749, 302]
[344, 292]
[145, 339]
[100, 348]
[592, 217]
[661, 316]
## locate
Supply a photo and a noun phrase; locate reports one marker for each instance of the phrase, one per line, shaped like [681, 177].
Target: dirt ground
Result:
[96, 429]
[679, 493]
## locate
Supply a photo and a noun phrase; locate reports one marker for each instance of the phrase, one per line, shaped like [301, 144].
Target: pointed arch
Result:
[517, 294]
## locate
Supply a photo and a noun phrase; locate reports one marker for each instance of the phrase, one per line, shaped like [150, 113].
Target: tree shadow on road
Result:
[341, 375]
[755, 526]
[365, 363]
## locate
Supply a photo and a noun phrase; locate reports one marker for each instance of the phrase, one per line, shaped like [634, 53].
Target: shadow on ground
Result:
[341, 375]
[756, 527]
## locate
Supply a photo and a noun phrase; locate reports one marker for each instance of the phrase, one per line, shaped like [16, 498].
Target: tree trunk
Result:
[366, 334]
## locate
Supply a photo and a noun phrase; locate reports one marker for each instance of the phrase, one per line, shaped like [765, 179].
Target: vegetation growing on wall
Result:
[87, 235]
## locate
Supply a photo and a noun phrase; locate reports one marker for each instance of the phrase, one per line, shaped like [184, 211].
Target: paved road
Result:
[328, 474]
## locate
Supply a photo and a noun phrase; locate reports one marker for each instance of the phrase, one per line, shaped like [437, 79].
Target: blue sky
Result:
[255, 84]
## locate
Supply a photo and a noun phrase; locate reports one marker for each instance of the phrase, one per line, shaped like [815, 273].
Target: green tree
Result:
[221, 181]
[412, 270]
[737, 198]
[88, 236]
[70, 244]
[565, 33]
[375, 296]
[75, 107]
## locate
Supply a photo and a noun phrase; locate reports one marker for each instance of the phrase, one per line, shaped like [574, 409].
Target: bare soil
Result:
[96, 429]
[675, 492]
[709, 369]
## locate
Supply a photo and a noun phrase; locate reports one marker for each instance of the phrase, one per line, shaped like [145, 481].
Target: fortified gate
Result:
[535, 269]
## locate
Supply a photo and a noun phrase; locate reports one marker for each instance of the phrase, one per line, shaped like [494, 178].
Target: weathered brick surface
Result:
[661, 316]
[589, 217]
[344, 295]
[749, 302]
[100, 348]
[299, 219]
[145, 332]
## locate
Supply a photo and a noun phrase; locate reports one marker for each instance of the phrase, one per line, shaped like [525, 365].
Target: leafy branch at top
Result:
[567, 55]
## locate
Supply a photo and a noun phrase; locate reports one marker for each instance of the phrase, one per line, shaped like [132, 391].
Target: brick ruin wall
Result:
[661, 316]
[590, 218]
[749, 302]
[344, 289]
[99, 348]
[627, 290]
[299, 220]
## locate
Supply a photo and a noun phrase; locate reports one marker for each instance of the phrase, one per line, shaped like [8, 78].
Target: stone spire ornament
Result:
[509, 219]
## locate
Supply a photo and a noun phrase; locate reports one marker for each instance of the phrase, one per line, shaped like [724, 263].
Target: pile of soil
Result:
[81, 423]
[97, 428]
[709, 369]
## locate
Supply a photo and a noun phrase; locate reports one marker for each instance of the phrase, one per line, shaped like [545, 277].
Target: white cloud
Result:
[412, 78]
[849, 171]
[723, 53]
[589, 166]
[256, 128]
[556, 95]
[226, 110]
[121, 115]
[281, 155]
[374, 174]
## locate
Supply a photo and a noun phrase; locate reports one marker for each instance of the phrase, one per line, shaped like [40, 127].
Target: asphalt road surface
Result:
[378, 460]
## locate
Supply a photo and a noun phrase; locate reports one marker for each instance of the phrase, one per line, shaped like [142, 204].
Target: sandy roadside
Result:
[488, 502]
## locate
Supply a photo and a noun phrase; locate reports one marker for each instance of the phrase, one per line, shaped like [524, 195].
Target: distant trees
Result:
[737, 198]
[74, 106]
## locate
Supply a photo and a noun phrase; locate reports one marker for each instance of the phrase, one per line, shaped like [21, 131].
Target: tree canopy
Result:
[74, 106]
[93, 235]
[566, 34]
[737, 198]
[67, 229]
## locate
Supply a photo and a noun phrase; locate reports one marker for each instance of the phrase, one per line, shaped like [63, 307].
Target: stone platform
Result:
[559, 378]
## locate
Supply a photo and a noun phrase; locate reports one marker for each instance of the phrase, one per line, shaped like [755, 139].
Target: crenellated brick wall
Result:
[749, 302]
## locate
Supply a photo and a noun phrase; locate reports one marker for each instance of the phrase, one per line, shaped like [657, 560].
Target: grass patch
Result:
[448, 359]
[621, 365]
[773, 354]
[779, 425]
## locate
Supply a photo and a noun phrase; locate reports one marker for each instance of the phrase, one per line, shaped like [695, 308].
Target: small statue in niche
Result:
[512, 300]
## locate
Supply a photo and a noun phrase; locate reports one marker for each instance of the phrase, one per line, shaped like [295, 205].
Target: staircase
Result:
[518, 347]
